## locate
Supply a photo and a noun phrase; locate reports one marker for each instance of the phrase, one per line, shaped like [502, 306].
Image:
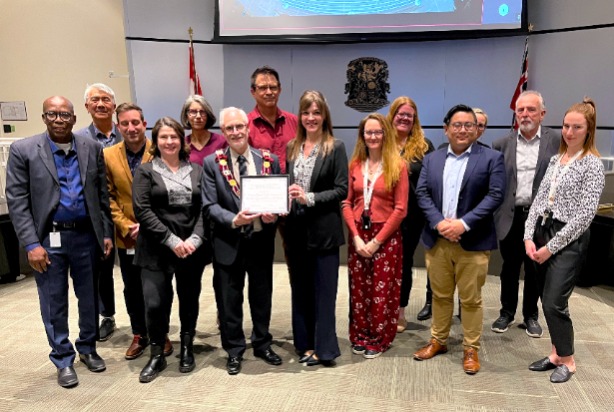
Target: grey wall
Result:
[564, 66]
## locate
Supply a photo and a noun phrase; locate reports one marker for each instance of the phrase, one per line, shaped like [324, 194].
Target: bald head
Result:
[59, 116]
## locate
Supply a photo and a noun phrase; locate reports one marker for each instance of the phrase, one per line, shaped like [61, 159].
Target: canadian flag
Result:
[522, 82]
[194, 79]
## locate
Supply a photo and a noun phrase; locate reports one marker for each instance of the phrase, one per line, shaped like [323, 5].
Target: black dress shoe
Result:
[426, 312]
[107, 327]
[268, 356]
[233, 365]
[93, 361]
[542, 365]
[305, 358]
[561, 374]
[326, 363]
[67, 377]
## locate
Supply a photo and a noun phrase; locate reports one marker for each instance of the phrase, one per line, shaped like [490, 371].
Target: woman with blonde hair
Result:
[373, 211]
[317, 165]
[412, 146]
[556, 231]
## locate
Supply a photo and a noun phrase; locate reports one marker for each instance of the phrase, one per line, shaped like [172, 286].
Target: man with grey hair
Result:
[100, 104]
[526, 153]
[243, 242]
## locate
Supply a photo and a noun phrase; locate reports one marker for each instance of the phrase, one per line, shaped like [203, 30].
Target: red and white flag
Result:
[194, 79]
[524, 77]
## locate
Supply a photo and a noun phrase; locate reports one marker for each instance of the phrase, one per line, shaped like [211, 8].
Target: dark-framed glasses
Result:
[405, 116]
[457, 126]
[64, 116]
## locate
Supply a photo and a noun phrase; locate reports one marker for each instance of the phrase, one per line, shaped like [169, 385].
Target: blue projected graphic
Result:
[272, 8]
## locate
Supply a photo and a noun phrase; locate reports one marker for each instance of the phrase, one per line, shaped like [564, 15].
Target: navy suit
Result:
[33, 194]
[234, 254]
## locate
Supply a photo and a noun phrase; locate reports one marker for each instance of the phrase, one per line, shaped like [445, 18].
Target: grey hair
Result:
[477, 110]
[226, 110]
[101, 87]
[196, 98]
[533, 93]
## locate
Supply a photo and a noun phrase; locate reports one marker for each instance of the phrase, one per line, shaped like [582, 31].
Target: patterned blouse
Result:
[575, 201]
[303, 169]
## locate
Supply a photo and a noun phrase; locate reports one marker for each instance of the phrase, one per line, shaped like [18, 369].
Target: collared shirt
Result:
[526, 164]
[263, 135]
[72, 198]
[251, 171]
[135, 159]
[453, 173]
[114, 136]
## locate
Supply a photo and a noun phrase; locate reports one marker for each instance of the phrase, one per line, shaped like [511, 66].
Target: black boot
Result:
[156, 364]
[426, 311]
[186, 358]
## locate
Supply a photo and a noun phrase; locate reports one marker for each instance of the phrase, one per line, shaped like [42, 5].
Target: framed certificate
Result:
[265, 193]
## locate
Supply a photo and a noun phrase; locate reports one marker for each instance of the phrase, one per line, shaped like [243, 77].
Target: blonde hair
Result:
[589, 111]
[415, 146]
[328, 140]
[392, 163]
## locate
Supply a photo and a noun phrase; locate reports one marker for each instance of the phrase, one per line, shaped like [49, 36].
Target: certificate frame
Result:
[265, 193]
[14, 111]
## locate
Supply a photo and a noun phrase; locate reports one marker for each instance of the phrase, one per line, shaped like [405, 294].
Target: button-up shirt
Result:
[134, 159]
[251, 171]
[526, 163]
[263, 135]
[72, 199]
[453, 173]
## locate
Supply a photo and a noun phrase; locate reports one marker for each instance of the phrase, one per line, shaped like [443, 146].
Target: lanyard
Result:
[368, 184]
[556, 177]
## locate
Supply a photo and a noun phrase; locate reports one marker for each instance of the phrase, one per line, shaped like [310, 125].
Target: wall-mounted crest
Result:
[367, 84]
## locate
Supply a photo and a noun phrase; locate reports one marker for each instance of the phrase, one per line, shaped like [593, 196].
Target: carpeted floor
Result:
[392, 382]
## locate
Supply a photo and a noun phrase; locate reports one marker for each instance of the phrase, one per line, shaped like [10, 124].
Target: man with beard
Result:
[100, 104]
[526, 152]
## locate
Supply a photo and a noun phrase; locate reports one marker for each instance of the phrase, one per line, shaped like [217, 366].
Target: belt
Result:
[84, 224]
[523, 209]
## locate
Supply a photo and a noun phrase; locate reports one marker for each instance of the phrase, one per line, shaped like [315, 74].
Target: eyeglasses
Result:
[458, 126]
[264, 87]
[238, 127]
[405, 116]
[481, 126]
[376, 133]
[64, 116]
[194, 113]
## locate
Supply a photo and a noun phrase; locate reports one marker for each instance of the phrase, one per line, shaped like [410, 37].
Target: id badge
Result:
[55, 240]
[130, 251]
[366, 221]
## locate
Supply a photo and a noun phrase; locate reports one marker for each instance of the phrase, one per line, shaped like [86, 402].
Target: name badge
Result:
[130, 251]
[55, 240]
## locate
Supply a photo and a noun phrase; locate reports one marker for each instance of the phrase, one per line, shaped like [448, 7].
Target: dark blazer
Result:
[481, 193]
[548, 147]
[329, 183]
[220, 205]
[158, 219]
[33, 188]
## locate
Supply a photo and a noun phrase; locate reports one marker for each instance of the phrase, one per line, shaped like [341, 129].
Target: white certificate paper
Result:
[265, 193]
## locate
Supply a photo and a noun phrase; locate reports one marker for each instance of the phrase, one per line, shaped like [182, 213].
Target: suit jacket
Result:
[329, 183]
[119, 181]
[220, 205]
[33, 188]
[480, 194]
[90, 133]
[158, 218]
[548, 147]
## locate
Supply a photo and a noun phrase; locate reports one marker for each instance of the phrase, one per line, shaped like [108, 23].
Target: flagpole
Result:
[523, 72]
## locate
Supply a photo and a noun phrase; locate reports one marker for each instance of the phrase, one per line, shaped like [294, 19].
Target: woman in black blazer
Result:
[167, 204]
[317, 165]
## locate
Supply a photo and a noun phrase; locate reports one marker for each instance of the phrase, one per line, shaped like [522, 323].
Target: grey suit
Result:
[33, 194]
[234, 254]
[509, 222]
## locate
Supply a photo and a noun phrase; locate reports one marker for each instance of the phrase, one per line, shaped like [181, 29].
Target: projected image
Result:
[331, 17]
[271, 8]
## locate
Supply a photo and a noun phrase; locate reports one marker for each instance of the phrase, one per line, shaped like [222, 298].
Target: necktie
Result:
[242, 165]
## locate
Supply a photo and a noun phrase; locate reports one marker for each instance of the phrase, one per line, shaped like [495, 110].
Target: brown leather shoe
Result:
[168, 347]
[471, 363]
[431, 349]
[137, 347]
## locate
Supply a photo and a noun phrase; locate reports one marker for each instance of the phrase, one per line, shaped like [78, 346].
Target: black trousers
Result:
[411, 230]
[556, 279]
[133, 293]
[314, 277]
[513, 254]
[158, 295]
[106, 287]
[254, 257]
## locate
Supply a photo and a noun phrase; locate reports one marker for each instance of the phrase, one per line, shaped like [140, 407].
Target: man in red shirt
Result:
[270, 127]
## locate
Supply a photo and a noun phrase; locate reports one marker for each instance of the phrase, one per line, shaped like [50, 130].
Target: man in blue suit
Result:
[459, 189]
[242, 241]
[56, 188]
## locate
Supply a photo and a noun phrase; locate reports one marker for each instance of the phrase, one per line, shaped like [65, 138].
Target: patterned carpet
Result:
[392, 382]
